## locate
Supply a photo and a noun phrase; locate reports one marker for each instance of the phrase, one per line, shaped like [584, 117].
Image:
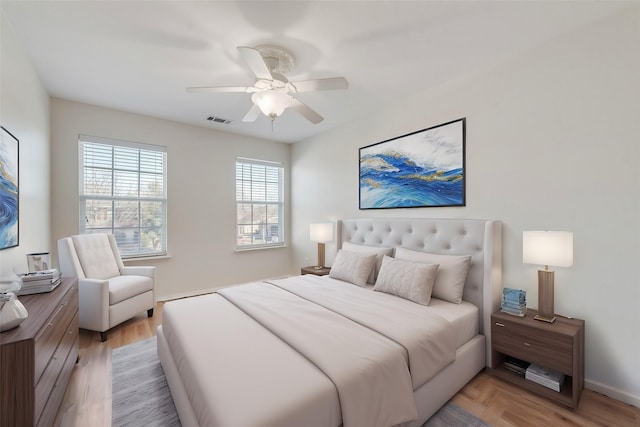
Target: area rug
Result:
[141, 395]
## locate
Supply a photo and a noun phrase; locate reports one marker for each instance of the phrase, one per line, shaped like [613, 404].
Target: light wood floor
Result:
[87, 402]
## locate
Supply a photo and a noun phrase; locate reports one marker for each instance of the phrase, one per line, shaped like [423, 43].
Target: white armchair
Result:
[109, 292]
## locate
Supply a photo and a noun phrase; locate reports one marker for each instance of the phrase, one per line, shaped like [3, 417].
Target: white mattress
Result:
[464, 317]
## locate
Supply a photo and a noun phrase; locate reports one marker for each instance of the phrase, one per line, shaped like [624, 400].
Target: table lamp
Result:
[321, 233]
[547, 248]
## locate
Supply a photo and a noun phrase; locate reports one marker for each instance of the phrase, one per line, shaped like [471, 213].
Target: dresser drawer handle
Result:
[500, 324]
[527, 344]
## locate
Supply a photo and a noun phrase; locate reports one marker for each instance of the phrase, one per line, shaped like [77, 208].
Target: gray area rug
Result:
[140, 392]
[141, 395]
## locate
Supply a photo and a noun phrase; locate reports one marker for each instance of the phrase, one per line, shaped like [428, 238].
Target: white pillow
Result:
[410, 280]
[352, 267]
[379, 252]
[452, 273]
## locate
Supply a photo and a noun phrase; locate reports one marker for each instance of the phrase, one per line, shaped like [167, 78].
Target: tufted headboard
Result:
[482, 239]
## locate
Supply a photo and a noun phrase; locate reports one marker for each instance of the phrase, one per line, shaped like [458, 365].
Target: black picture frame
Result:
[9, 190]
[425, 168]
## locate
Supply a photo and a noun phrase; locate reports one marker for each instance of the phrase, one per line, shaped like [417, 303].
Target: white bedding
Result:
[463, 317]
[369, 371]
[294, 382]
[229, 380]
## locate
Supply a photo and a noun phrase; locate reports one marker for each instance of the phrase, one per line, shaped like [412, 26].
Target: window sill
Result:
[260, 248]
[146, 258]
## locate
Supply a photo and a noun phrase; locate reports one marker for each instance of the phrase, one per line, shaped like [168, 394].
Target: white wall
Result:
[552, 144]
[24, 111]
[201, 194]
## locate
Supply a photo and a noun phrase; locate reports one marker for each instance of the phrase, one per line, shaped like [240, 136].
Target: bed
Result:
[327, 351]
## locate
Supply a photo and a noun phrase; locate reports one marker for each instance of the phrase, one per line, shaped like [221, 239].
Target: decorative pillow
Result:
[410, 280]
[452, 273]
[379, 252]
[352, 267]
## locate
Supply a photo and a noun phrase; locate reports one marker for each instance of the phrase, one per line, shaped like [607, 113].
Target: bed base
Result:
[429, 398]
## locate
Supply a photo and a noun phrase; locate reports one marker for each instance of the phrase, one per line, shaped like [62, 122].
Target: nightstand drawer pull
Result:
[527, 344]
[500, 324]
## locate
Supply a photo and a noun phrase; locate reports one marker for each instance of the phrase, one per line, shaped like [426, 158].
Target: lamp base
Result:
[320, 256]
[545, 319]
[546, 311]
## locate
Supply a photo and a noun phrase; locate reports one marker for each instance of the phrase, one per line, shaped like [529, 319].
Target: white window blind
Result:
[260, 204]
[123, 190]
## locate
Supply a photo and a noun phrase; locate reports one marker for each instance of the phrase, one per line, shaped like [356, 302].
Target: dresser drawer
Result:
[48, 338]
[50, 375]
[551, 350]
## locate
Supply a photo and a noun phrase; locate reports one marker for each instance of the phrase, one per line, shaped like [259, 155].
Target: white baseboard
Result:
[613, 393]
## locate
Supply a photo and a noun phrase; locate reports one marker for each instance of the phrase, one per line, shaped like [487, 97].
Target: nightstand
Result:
[315, 271]
[558, 346]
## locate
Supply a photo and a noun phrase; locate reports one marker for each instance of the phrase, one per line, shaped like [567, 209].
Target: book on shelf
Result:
[515, 312]
[39, 282]
[545, 376]
[514, 295]
[514, 301]
[38, 289]
[516, 365]
[40, 275]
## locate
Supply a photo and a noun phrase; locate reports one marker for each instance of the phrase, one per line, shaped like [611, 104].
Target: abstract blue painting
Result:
[8, 189]
[420, 169]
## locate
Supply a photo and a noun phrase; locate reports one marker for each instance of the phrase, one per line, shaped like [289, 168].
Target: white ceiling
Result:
[139, 56]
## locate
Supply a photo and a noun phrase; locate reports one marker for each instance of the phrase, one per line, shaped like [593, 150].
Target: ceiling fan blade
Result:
[255, 61]
[305, 111]
[219, 89]
[332, 83]
[252, 115]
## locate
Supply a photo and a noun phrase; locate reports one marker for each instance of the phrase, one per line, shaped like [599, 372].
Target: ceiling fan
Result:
[273, 93]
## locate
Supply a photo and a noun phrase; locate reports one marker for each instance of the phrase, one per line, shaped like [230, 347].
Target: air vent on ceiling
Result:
[218, 120]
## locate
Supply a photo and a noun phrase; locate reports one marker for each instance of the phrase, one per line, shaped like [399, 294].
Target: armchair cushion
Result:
[96, 256]
[124, 287]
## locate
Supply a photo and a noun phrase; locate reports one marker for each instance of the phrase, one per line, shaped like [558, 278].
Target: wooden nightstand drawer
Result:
[558, 346]
[551, 350]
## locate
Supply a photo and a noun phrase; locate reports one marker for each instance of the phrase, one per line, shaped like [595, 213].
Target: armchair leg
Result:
[103, 336]
[150, 312]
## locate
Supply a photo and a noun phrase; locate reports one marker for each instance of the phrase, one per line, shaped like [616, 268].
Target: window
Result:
[260, 204]
[123, 190]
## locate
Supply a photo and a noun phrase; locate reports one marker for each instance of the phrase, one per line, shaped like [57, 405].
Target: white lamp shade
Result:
[271, 103]
[321, 232]
[548, 248]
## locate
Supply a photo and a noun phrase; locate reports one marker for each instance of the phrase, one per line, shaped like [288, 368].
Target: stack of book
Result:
[543, 376]
[516, 366]
[39, 281]
[514, 301]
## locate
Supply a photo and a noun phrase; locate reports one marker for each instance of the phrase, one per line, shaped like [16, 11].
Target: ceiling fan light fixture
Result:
[271, 103]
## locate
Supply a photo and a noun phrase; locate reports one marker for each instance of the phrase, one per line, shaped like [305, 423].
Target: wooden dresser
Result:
[37, 357]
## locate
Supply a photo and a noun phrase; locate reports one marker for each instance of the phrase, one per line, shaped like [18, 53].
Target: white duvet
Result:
[367, 350]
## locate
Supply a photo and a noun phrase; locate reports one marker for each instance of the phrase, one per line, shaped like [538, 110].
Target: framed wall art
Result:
[9, 199]
[420, 169]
